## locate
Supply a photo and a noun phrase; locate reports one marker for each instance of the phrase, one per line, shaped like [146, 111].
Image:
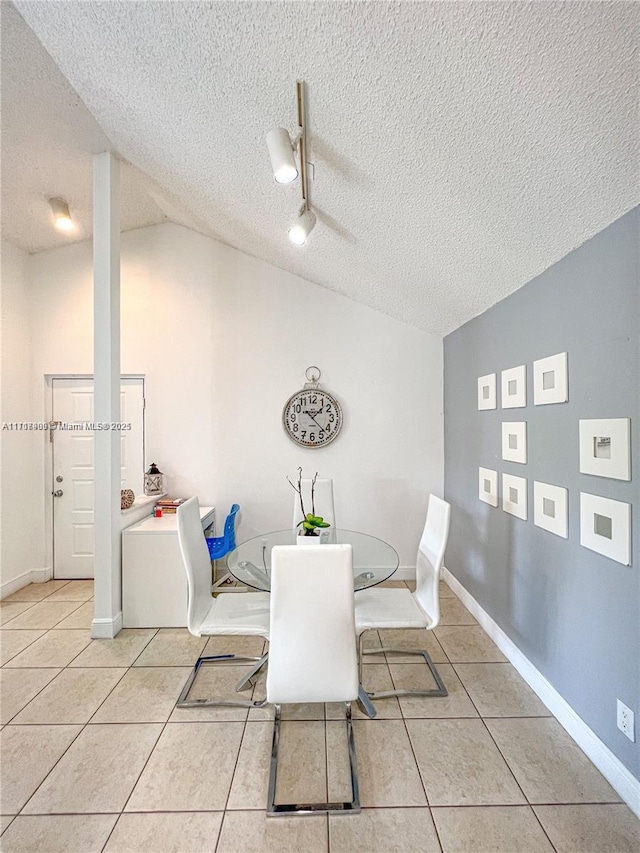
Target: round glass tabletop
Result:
[374, 561]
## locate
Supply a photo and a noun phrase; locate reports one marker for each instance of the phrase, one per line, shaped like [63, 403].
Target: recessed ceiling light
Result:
[61, 215]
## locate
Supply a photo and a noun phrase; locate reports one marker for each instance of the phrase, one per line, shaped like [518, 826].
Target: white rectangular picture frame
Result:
[550, 380]
[514, 387]
[514, 495]
[488, 486]
[605, 527]
[514, 441]
[604, 447]
[487, 392]
[550, 508]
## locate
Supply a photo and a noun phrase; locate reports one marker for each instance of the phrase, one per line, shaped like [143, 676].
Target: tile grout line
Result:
[82, 725]
[6, 625]
[151, 751]
[531, 809]
[235, 766]
[14, 630]
[464, 687]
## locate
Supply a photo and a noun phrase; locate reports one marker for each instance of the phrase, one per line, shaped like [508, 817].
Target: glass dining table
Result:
[374, 560]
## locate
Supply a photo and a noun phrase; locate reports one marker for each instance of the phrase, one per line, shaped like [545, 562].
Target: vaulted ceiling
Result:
[459, 149]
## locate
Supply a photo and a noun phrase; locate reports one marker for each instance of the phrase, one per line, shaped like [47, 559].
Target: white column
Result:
[107, 621]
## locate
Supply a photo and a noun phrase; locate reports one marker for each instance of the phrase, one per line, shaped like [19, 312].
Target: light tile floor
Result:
[95, 756]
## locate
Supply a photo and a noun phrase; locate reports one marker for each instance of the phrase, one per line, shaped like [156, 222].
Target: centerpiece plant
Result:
[311, 523]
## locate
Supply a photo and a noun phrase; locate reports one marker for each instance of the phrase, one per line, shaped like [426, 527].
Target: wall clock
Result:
[312, 417]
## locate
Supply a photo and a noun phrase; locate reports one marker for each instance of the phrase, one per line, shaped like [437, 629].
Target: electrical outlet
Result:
[626, 721]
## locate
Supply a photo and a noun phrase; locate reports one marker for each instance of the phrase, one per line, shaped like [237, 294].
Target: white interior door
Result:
[73, 468]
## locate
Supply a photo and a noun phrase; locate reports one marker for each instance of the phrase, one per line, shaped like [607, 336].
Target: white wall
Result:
[21, 498]
[223, 340]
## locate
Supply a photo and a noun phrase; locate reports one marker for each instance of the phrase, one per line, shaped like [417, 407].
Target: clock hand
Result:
[313, 419]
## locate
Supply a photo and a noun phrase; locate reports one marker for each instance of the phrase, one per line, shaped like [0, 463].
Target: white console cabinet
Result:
[154, 581]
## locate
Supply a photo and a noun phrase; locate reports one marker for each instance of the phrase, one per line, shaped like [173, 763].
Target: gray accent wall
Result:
[573, 613]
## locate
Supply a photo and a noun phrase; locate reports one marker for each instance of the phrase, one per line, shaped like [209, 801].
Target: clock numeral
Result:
[332, 418]
[295, 427]
[328, 428]
[304, 433]
[293, 417]
[313, 399]
[328, 407]
[312, 437]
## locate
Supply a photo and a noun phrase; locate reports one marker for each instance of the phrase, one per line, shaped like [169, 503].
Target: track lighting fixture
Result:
[302, 227]
[61, 215]
[282, 150]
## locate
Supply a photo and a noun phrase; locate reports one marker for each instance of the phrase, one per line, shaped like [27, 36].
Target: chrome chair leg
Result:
[365, 704]
[251, 679]
[185, 702]
[348, 807]
[438, 691]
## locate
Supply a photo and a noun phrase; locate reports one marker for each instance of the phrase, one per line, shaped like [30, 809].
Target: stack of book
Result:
[169, 505]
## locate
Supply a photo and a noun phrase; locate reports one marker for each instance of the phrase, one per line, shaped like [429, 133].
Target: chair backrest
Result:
[230, 528]
[197, 563]
[430, 557]
[312, 639]
[323, 501]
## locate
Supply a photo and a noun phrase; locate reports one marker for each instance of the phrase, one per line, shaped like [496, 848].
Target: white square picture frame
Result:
[488, 486]
[550, 380]
[514, 441]
[487, 392]
[514, 387]
[514, 495]
[605, 527]
[550, 508]
[604, 447]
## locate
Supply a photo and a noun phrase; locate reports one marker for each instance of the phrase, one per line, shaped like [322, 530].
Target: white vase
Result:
[301, 539]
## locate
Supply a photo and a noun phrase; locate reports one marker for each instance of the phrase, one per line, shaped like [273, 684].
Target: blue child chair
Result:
[219, 546]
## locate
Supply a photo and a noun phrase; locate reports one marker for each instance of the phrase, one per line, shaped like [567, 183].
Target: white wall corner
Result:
[106, 629]
[614, 771]
[31, 576]
[404, 573]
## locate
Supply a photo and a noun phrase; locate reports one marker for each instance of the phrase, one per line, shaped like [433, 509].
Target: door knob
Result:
[58, 493]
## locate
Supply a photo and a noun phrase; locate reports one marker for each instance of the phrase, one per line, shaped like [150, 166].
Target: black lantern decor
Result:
[154, 481]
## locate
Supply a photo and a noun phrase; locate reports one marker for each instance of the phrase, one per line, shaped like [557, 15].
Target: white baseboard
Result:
[30, 576]
[614, 771]
[106, 629]
[404, 573]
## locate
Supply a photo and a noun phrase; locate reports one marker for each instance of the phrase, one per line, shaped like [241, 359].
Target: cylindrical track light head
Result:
[61, 214]
[302, 227]
[283, 162]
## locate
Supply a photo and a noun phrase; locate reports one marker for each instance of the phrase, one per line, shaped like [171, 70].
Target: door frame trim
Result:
[49, 379]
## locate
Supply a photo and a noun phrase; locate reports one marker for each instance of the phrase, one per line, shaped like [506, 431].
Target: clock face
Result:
[312, 418]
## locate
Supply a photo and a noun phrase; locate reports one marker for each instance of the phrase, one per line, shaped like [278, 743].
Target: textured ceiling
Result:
[459, 148]
[48, 137]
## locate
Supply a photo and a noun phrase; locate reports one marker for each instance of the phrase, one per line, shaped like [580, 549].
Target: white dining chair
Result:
[399, 608]
[312, 648]
[227, 614]
[323, 501]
